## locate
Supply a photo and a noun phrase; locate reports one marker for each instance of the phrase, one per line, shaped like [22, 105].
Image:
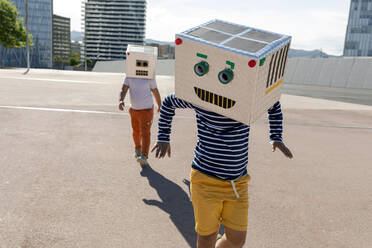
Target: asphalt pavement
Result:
[69, 178]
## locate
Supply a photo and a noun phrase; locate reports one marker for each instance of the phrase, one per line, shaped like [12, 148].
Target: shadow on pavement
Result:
[174, 201]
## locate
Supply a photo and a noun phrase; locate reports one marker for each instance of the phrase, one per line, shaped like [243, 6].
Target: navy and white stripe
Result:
[222, 147]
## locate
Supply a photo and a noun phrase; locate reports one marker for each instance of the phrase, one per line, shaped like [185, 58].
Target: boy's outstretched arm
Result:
[276, 129]
[167, 111]
[123, 93]
[161, 149]
[285, 150]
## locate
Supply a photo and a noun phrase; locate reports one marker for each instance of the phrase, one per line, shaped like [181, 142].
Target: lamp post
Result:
[27, 41]
[85, 36]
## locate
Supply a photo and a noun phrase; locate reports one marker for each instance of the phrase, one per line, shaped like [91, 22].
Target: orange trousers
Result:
[141, 124]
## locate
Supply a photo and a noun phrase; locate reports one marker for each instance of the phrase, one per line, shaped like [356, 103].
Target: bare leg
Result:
[207, 241]
[232, 239]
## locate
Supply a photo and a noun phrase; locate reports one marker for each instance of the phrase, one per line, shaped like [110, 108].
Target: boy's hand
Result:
[162, 148]
[282, 148]
[159, 107]
[121, 106]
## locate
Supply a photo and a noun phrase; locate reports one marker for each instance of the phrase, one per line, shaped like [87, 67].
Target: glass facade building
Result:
[40, 16]
[110, 25]
[358, 41]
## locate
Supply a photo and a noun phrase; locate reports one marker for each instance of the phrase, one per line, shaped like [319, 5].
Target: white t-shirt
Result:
[140, 92]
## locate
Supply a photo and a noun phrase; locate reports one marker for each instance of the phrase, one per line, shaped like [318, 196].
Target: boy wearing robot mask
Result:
[230, 75]
[140, 80]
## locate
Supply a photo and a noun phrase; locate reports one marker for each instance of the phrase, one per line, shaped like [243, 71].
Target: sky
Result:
[316, 24]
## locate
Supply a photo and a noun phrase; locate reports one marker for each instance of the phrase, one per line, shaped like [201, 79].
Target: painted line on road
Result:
[55, 80]
[64, 110]
[323, 126]
[176, 117]
[328, 126]
[80, 111]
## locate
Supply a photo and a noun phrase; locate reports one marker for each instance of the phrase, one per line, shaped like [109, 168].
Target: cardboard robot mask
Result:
[141, 61]
[230, 69]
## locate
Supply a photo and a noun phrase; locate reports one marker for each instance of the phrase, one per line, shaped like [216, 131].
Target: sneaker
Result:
[143, 160]
[137, 153]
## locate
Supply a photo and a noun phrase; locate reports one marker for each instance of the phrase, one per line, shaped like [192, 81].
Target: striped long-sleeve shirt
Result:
[222, 147]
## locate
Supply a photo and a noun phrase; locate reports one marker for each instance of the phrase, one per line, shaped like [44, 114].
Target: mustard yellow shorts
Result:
[215, 202]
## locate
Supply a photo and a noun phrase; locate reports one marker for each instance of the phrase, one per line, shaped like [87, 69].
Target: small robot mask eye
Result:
[142, 63]
[226, 76]
[201, 68]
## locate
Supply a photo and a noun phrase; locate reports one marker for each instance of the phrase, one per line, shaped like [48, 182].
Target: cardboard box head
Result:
[141, 61]
[230, 69]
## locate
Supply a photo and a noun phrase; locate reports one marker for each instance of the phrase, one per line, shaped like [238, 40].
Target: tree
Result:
[74, 59]
[89, 62]
[12, 32]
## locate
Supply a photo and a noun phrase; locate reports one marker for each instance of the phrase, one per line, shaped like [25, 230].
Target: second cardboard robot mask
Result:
[141, 61]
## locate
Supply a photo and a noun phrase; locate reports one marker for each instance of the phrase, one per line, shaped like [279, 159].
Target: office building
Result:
[40, 13]
[358, 41]
[165, 51]
[110, 25]
[61, 38]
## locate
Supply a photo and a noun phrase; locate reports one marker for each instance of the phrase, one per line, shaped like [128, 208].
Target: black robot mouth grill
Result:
[215, 99]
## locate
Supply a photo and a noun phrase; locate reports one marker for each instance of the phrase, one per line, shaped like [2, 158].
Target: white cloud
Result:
[319, 24]
[70, 9]
[310, 29]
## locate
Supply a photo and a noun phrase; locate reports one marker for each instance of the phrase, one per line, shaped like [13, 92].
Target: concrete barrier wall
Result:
[367, 84]
[300, 67]
[358, 76]
[290, 69]
[348, 72]
[313, 72]
[342, 72]
[110, 66]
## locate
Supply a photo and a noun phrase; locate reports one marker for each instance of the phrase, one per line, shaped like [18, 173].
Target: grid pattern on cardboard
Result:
[236, 38]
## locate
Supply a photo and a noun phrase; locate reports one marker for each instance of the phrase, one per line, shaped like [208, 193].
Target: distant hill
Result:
[76, 36]
[296, 53]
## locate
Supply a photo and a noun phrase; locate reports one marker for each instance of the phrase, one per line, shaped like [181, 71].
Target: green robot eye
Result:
[201, 68]
[225, 76]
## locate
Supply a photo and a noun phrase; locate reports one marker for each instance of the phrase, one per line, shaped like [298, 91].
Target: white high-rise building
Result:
[110, 25]
[358, 41]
